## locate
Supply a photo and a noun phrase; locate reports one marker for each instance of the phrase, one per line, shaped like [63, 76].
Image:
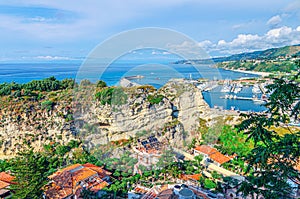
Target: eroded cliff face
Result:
[26, 124]
[175, 116]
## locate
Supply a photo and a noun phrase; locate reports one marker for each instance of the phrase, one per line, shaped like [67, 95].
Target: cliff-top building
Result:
[68, 183]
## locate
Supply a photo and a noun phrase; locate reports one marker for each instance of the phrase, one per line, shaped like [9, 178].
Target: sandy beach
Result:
[263, 74]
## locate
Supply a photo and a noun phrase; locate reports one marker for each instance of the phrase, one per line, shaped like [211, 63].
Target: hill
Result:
[270, 60]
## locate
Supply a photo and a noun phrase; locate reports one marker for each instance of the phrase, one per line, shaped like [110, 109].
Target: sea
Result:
[156, 74]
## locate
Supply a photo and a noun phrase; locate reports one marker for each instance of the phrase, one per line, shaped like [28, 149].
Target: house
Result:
[148, 151]
[68, 183]
[5, 181]
[211, 154]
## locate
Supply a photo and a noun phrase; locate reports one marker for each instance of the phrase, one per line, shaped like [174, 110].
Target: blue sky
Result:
[70, 29]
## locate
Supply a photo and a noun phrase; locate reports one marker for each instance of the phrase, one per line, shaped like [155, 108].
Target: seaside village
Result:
[198, 173]
[70, 182]
[160, 172]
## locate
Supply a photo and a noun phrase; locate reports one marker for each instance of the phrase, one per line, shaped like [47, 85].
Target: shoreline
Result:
[263, 74]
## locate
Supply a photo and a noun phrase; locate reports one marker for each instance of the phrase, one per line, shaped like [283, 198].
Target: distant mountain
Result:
[270, 60]
[269, 54]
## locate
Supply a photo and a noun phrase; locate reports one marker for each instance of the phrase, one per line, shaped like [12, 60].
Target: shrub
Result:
[209, 184]
[155, 99]
[101, 84]
[48, 105]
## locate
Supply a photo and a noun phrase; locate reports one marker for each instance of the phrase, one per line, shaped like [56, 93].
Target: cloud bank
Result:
[276, 37]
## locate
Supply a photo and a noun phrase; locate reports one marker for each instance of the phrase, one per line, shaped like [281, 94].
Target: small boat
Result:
[134, 77]
[256, 89]
[226, 87]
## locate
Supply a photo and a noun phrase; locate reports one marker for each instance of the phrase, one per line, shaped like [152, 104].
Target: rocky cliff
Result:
[173, 111]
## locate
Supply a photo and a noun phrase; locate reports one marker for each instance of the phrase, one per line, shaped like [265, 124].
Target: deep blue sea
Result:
[155, 74]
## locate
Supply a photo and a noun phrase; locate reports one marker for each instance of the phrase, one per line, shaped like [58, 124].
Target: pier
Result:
[234, 97]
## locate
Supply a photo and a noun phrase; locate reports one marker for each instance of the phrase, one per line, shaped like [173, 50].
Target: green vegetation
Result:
[101, 84]
[155, 99]
[111, 95]
[209, 184]
[48, 105]
[30, 88]
[31, 169]
[262, 66]
[274, 156]
[232, 142]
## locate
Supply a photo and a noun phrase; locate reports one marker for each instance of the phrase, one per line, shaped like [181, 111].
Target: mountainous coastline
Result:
[270, 60]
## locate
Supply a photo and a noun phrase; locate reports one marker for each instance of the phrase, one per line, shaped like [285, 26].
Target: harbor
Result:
[239, 95]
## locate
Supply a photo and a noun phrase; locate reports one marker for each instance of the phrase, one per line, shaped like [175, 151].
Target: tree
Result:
[166, 159]
[30, 170]
[209, 184]
[101, 84]
[274, 156]
[88, 194]
[198, 159]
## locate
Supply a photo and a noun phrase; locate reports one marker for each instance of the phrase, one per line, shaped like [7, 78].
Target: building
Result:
[211, 154]
[148, 151]
[68, 183]
[5, 181]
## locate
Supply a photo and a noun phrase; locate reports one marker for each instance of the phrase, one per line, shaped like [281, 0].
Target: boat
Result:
[226, 87]
[256, 89]
[238, 88]
[134, 77]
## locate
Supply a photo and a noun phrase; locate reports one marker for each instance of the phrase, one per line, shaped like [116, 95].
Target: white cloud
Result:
[54, 58]
[249, 42]
[274, 21]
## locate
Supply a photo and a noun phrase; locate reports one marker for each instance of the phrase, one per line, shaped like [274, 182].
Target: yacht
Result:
[256, 89]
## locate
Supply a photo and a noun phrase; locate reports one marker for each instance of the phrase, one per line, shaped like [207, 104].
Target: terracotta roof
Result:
[89, 165]
[83, 174]
[188, 177]
[298, 167]
[3, 184]
[99, 186]
[206, 149]
[56, 193]
[219, 157]
[213, 154]
[66, 181]
[7, 178]
[71, 167]
[99, 170]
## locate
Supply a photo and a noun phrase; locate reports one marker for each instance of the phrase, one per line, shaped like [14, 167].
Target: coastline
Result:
[263, 74]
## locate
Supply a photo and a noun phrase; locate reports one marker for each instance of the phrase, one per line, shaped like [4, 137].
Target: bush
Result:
[155, 99]
[101, 84]
[48, 105]
[114, 96]
[209, 184]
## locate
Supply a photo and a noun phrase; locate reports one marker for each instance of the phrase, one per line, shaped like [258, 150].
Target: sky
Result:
[53, 30]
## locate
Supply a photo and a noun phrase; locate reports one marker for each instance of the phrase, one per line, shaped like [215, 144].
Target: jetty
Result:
[234, 97]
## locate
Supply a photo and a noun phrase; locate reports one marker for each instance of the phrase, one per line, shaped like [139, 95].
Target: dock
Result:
[234, 97]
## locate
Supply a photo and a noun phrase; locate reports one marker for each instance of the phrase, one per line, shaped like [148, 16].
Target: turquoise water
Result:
[155, 74]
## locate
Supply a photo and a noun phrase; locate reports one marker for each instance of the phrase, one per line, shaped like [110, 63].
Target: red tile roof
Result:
[3, 184]
[213, 154]
[7, 177]
[99, 186]
[206, 149]
[219, 157]
[188, 177]
[66, 181]
[83, 174]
